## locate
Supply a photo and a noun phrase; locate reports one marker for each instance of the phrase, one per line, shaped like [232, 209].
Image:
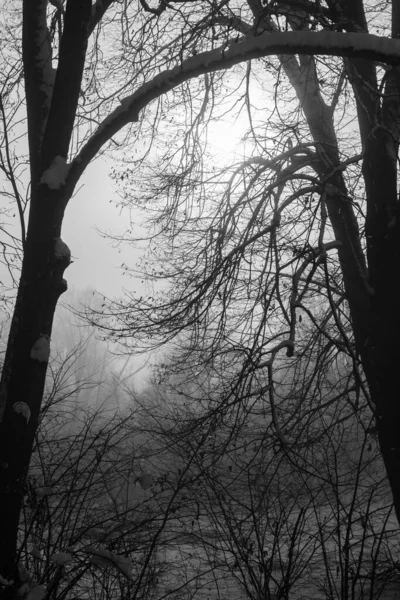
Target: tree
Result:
[72, 112]
[299, 243]
[101, 508]
[265, 523]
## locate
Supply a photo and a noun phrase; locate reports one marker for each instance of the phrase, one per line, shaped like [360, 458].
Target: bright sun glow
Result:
[226, 140]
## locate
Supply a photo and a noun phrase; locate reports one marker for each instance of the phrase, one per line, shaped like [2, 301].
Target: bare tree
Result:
[91, 69]
[298, 244]
[271, 521]
[100, 509]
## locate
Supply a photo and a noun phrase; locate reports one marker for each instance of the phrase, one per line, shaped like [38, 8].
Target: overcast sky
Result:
[95, 261]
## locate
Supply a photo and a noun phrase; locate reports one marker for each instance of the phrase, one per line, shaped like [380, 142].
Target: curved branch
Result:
[99, 9]
[360, 45]
[67, 83]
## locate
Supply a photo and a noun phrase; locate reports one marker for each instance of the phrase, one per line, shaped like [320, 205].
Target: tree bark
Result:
[371, 283]
[379, 123]
[24, 370]
[51, 108]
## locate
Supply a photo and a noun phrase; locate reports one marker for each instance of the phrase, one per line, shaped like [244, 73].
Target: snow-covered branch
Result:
[332, 43]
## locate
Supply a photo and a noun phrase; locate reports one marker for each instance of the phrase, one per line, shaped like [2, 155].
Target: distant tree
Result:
[82, 71]
[278, 522]
[98, 502]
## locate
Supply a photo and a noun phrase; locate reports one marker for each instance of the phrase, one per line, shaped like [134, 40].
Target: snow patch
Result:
[36, 553]
[95, 533]
[58, 4]
[61, 558]
[24, 575]
[41, 349]
[6, 582]
[61, 250]
[105, 558]
[21, 408]
[56, 175]
[23, 590]
[37, 593]
[44, 491]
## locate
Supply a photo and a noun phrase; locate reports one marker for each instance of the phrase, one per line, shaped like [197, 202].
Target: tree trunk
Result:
[51, 102]
[371, 286]
[383, 251]
[26, 360]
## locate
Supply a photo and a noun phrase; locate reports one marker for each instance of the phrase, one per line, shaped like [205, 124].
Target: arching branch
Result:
[332, 43]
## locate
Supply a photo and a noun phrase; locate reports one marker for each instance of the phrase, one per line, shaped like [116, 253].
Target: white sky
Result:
[95, 260]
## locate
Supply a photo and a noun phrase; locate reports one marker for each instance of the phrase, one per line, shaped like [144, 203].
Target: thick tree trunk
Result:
[379, 123]
[52, 99]
[24, 370]
[383, 251]
[372, 286]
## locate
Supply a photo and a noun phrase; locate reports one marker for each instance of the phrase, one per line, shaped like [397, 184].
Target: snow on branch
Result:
[55, 176]
[21, 408]
[61, 250]
[360, 45]
[37, 593]
[96, 533]
[45, 490]
[6, 582]
[105, 558]
[61, 558]
[41, 349]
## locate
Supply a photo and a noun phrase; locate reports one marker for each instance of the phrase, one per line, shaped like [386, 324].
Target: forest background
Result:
[263, 459]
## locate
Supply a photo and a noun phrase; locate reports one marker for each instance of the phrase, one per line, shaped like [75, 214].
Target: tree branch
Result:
[68, 81]
[98, 10]
[297, 42]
